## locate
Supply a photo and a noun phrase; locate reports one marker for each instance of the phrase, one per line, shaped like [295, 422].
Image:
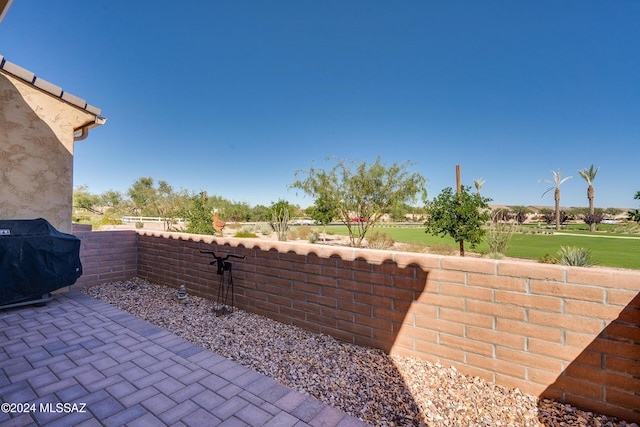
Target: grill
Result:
[35, 259]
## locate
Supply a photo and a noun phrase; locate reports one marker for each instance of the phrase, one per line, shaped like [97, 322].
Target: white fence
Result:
[152, 219]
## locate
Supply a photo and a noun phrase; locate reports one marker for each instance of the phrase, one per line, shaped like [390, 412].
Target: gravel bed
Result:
[366, 383]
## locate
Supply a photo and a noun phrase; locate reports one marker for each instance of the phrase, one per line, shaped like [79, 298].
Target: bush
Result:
[263, 228]
[442, 249]
[417, 247]
[139, 224]
[304, 231]
[571, 255]
[548, 259]
[380, 240]
[245, 233]
[313, 237]
[498, 237]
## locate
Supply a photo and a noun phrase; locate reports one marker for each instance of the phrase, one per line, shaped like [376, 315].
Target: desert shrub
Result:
[571, 255]
[304, 231]
[263, 228]
[547, 259]
[442, 249]
[380, 240]
[245, 233]
[417, 247]
[313, 237]
[498, 237]
[108, 220]
[139, 224]
[627, 228]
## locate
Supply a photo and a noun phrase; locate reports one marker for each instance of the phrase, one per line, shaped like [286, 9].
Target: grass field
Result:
[608, 249]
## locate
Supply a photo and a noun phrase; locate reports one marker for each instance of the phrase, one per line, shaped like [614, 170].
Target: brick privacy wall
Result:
[564, 332]
[106, 255]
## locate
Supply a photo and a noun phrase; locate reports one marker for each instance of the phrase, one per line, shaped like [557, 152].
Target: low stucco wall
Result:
[565, 332]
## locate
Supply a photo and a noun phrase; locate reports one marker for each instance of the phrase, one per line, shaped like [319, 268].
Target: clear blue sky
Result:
[233, 97]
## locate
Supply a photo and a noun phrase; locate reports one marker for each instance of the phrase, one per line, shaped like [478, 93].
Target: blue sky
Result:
[233, 97]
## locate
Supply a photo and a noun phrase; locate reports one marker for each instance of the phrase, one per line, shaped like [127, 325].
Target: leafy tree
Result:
[161, 201]
[557, 181]
[634, 214]
[323, 212]
[589, 175]
[520, 213]
[550, 216]
[592, 219]
[459, 215]
[197, 213]
[83, 199]
[361, 191]
[501, 214]
[259, 213]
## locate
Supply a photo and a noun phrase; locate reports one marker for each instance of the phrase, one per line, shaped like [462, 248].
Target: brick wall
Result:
[106, 255]
[566, 332]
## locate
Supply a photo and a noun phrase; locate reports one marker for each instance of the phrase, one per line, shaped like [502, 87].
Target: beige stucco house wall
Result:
[39, 124]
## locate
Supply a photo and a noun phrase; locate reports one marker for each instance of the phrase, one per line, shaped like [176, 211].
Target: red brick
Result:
[476, 265]
[526, 358]
[590, 309]
[496, 310]
[466, 344]
[531, 270]
[495, 337]
[498, 282]
[496, 365]
[441, 300]
[467, 318]
[567, 290]
[529, 330]
[466, 291]
[567, 322]
[606, 277]
[529, 301]
[431, 324]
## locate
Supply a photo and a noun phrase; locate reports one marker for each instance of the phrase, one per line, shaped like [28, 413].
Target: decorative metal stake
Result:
[222, 305]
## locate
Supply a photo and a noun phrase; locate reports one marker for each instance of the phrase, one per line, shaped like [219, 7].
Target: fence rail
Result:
[151, 219]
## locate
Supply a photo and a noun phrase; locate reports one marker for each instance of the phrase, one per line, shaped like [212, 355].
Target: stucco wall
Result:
[36, 153]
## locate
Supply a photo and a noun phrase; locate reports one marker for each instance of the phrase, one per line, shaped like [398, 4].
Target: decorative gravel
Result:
[380, 389]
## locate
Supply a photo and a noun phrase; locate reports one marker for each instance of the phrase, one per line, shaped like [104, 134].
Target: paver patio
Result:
[120, 370]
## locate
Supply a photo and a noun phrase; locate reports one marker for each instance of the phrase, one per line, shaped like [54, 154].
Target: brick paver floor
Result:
[80, 362]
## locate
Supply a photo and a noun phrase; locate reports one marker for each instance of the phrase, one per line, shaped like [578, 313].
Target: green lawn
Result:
[607, 249]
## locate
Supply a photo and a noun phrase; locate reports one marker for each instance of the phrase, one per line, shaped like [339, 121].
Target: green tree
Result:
[161, 200]
[323, 212]
[557, 181]
[363, 191]
[589, 175]
[83, 199]
[634, 214]
[459, 215]
[197, 213]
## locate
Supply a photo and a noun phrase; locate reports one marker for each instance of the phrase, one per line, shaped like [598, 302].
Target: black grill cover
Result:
[35, 259]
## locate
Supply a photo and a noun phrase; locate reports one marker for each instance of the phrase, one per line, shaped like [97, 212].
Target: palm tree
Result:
[557, 181]
[479, 183]
[589, 175]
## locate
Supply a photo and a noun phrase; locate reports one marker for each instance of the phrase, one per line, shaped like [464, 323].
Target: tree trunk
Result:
[557, 208]
[590, 196]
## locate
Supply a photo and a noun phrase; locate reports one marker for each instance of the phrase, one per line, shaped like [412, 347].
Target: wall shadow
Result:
[608, 369]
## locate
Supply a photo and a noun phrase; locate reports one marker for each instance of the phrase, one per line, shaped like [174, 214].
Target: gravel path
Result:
[364, 382]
